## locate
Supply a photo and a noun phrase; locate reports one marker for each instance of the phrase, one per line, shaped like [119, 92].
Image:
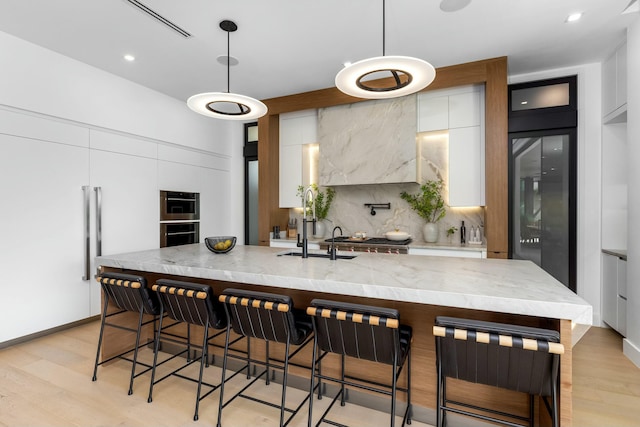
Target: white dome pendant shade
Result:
[409, 74]
[227, 105]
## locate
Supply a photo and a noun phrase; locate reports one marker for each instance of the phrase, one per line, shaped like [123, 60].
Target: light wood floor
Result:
[47, 382]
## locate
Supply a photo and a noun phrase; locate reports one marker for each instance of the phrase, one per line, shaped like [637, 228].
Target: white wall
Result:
[589, 172]
[35, 79]
[631, 344]
[39, 80]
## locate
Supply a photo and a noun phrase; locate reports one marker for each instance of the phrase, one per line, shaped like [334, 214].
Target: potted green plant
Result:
[429, 204]
[323, 202]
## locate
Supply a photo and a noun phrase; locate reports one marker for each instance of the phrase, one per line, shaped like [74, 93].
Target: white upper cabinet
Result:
[298, 152]
[466, 167]
[464, 109]
[433, 113]
[459, 111]
[614, 85]
[450, 108]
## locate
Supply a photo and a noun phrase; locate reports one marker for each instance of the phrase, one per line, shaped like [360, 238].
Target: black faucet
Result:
[332, 249]
[304, 243]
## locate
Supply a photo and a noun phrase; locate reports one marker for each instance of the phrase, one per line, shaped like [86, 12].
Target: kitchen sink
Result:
[316, 255]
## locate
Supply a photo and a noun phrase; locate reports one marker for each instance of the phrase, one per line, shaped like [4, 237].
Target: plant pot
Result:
[430, 232]
[321, 229]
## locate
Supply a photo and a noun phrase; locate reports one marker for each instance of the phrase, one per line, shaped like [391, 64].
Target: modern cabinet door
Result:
[290, 175]
[614, 292]
[298, 133]
[215, 210]
[42, 240]
[614, 83]
[433, 113]
[610, 290]
[466, 167]
[130, 205]
[464, 110]
[622, 296]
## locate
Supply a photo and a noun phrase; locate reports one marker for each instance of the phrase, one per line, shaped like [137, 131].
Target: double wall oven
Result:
[179, 218]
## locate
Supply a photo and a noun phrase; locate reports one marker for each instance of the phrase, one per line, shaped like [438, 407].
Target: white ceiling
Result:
[291, 46]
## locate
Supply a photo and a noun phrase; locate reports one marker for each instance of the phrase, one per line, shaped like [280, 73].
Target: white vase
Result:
[321, 229]
[430, 232]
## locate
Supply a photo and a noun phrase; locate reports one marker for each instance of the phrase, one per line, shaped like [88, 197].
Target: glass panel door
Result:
[542, 201]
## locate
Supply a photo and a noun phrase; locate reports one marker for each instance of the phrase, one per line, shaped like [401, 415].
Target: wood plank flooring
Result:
[47, 382]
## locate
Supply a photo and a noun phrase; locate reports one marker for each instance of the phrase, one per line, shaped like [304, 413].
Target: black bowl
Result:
[222, 242]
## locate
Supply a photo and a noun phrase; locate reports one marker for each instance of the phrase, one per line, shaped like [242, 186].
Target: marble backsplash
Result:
[349, 211]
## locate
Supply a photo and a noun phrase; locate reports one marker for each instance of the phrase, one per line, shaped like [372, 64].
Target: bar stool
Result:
[192, 304]
[362, 332]
[128, 293]
[272, 318]
[514, 357]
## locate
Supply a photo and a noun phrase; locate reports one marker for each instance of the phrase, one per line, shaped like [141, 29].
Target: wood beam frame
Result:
[490, 72]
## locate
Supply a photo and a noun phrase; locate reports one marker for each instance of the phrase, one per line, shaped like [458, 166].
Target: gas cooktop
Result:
[370, 241]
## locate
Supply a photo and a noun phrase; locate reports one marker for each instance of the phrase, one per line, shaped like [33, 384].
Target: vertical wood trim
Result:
[496, 159]
[566, 375]
[491, 72]
[269, 212]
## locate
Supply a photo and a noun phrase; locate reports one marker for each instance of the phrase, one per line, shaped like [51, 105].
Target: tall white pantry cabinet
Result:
[45, 163]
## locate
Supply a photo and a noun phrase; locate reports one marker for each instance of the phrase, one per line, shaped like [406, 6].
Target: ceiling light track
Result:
[161, 19]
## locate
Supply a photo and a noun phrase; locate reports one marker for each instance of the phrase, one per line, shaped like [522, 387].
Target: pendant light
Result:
[227, 105]
[409, 74]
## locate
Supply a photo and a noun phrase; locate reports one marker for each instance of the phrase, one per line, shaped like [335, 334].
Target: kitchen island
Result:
[421, 287]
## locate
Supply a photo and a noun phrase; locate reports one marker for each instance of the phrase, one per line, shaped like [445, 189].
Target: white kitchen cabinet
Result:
[459, 112]
[466, 167]
[433, 113]
[449, 252]
[622, 296]
[465, 109]
[298, 153]
[614, 84]
[42, 242]
[215, 188]
[451, 108]
[614, 292]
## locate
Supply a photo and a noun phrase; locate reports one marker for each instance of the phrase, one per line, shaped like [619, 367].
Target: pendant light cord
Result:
[383, 26]
[228, 62]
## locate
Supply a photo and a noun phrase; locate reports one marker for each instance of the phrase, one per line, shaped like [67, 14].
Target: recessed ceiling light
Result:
[224, 59]
[574, 17]
[453, 5]
[346, 64]
[129, 58]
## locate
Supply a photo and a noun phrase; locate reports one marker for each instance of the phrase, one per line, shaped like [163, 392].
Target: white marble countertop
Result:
[414, 244]
[507, 286]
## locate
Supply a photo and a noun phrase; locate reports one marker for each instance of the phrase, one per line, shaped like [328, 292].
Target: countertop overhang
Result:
[505, 286]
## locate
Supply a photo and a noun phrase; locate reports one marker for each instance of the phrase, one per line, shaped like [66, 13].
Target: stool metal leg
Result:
[135, 351]
[224, 372]
[202, 361]
[155, 357]
[104, 319]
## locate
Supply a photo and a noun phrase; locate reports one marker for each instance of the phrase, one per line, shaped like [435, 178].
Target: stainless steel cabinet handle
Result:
[86, 232]
[98, 191]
